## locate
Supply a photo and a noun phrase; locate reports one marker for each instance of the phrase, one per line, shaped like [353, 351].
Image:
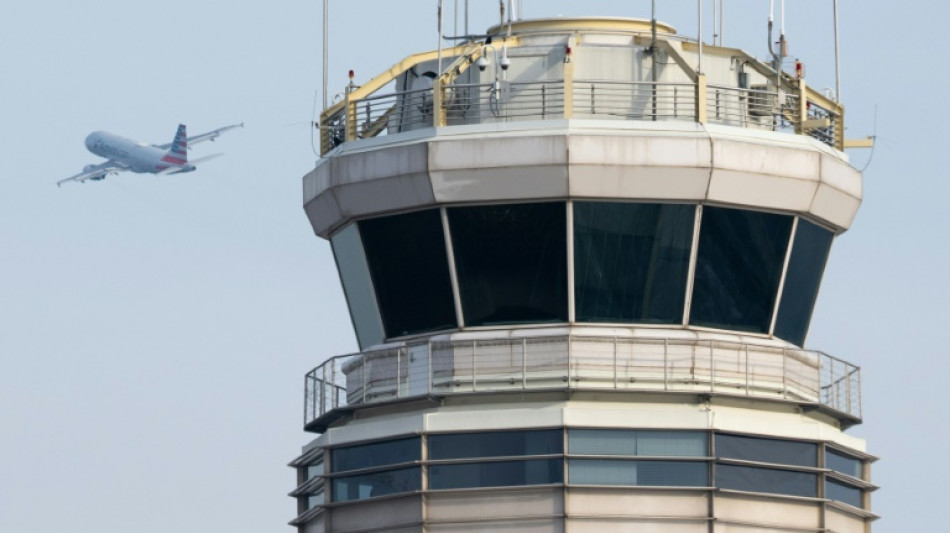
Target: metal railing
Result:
[503, 101]
[582, 363]
[752, 108]
[637, 100]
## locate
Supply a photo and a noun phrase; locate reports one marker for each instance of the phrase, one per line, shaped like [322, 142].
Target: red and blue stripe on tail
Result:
[178, 154]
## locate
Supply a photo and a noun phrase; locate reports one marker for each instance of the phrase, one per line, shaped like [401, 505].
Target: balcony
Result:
[814, 380]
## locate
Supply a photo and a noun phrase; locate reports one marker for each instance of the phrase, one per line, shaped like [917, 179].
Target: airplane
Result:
[127, 155]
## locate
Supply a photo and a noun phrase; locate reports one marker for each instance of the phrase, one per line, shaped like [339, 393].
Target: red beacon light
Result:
[799, 69]
[567, 54]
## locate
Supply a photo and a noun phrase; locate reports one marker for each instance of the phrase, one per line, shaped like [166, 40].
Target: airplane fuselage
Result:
[138, 157]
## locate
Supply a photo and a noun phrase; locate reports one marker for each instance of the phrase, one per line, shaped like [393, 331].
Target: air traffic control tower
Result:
[581, 257]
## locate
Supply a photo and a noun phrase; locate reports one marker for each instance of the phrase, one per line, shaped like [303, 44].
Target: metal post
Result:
[666, 363]
[365, 377]
[429, 367]
[784, 373]
[746, 369]
[474, 344]
[323, 391]
[837, 58]
[524, 363]
[712, 368]
[326, 11]
[615, 362]
[699, 39]
[399, 370]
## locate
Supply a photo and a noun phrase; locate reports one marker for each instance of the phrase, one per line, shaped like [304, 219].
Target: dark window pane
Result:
[848, 466]
[805, 267]
[511, 262]
[785, 452]
[631, 261]
[738, 268]
[349, 488]
[497, 474]
[638, 473]
[376, 454]
[410, 269]
[843, 492]
[496, 444]
[753, 479]
[357, 285]
[636, 442]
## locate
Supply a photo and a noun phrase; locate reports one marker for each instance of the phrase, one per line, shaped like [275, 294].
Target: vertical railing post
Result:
[702, 113]
[438, 103]
[363, 356]
[323, 391]
[666, 364]
[524, 363]
[474, 345]
[429, 367]
[544, 101]
[569, 77]
[349, 117]
[712, 368]
[399, 371]
[336, 390]
[784, 373]
[615, 362]
[802, 112]
[746, 369]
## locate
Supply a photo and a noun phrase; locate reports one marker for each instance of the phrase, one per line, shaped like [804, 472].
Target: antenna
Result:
[837, 60]
[326, 12]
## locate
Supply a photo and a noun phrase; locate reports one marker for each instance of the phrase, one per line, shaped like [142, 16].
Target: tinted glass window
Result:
[376, 454]
[805, 267]
[354, 274]
[843, 492]
[495, 444]
[738, 268]
[632, 442]
[848, 466]
[496, 474]
[511, 262]
[776, 451]
[638, 473]
[410, 270]
[364, 486]
[753, 479]
[631, 261]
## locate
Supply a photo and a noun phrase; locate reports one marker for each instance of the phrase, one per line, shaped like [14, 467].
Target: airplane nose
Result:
[90, 141]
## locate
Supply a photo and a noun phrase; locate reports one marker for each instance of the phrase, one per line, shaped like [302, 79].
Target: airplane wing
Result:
[95, 172]
[209, 136]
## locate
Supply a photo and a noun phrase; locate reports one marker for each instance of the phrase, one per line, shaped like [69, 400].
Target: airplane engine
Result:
[87, 168]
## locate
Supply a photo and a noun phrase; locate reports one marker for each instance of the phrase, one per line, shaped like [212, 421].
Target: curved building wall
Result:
[548, 466]
[639, 263]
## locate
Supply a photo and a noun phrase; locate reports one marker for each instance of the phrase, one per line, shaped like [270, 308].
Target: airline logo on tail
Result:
[178, 154]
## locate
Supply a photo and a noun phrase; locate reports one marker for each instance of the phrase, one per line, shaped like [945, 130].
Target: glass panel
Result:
[785, 452]
[315, 500]
[354, 274]
[497, 474]
[410, 269]
[848, 466]
[632, 442]
[315, 470]
[376, 454]
[631, 261]
[770, 480]
[511, 262]
[495, 444]
[638, 473]
[805, 267]
[350, 488]
[844, 493]
[738, 268]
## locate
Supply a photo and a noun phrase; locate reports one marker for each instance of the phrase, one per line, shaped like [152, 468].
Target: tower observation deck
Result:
[581, 256]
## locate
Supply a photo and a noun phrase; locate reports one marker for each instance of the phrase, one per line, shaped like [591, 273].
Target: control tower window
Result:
[805, 268]
[410, 271]
[738, 268]
[511, 262]
[631, 261]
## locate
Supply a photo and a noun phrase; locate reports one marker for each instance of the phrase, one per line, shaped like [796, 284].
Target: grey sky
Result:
[155, 331]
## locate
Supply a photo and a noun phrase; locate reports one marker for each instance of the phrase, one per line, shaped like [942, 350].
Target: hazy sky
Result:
[155, 331]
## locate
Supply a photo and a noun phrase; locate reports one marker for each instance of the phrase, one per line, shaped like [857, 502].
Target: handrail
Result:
[570, 362]
[814, 114]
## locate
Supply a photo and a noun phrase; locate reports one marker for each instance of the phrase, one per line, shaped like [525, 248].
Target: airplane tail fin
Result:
[179, 149]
